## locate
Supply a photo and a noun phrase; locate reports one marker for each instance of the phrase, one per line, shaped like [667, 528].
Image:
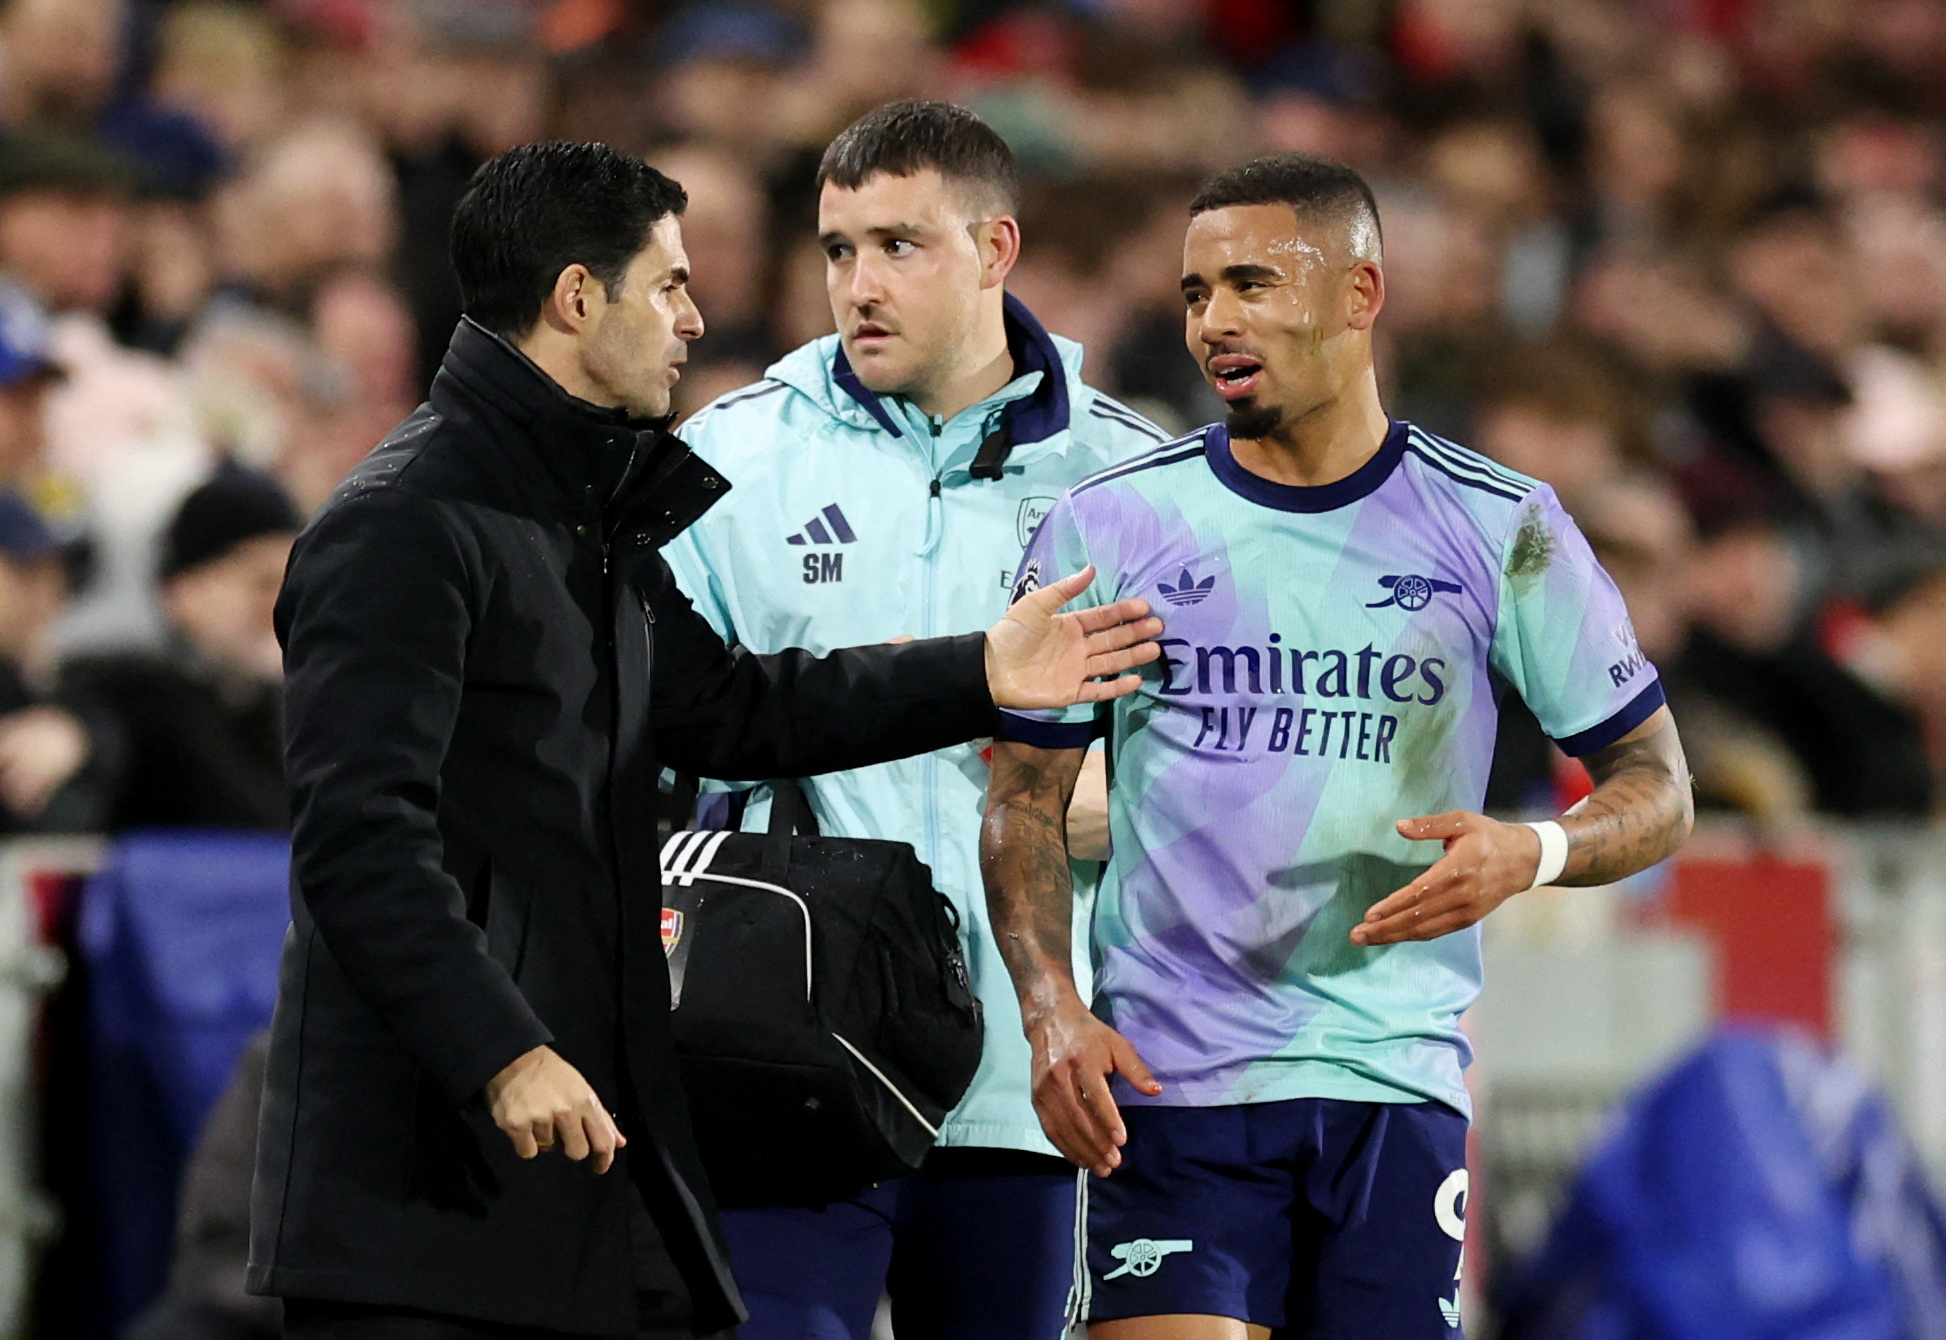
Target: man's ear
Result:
[998, 241]
[1367, 295]
[576, 300]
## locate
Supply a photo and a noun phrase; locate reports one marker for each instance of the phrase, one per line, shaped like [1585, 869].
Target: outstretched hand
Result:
[1486, 863]
[1040, 657]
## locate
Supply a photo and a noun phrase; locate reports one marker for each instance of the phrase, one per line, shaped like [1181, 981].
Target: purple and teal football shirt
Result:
[1333, 662]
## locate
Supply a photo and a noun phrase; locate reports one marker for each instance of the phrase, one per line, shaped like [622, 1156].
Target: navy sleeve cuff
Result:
[1046, 734]
[1640, 708]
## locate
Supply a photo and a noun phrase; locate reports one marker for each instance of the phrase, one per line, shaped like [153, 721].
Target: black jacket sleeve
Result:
[374, 619]
[743, 716]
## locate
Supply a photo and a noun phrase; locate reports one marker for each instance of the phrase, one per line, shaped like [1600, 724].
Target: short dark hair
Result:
[904, 138]
[1314, 187]
[535, 210]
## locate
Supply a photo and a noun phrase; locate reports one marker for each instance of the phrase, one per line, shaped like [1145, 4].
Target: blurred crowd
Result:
[1683, 259]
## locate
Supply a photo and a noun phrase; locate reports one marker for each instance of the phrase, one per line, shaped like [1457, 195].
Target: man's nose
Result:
[866, 288]
[689, 321]
[1219, 322]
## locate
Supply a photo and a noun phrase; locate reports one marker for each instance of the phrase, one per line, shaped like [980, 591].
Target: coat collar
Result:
[602, 461]
[1032, 418]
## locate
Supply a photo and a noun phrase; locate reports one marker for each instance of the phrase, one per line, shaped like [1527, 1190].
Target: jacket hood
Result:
[821, 371]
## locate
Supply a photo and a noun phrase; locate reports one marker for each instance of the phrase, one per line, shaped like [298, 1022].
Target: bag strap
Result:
[790, 813]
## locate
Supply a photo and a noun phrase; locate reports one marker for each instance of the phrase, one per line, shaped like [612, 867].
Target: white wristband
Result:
[1554, 852]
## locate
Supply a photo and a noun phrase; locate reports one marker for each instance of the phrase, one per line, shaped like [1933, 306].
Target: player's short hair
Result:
[908, 137]
[1316, 188]
[535, 210]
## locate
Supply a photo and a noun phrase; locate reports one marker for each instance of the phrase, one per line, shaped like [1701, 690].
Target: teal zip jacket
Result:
[854, 519]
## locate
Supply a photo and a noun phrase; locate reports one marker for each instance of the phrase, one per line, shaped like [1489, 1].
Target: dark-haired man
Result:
[1269, 1092]
[926, 439]
[487, 661]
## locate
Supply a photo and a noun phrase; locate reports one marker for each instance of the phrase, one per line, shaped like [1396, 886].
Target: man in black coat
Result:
[488, 664]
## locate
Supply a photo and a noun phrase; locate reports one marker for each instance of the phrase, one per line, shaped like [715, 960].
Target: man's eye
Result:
[899, 247]
[837, 252]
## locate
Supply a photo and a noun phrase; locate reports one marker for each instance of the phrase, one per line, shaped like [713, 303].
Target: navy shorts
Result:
[977, 1245]
[1321, 1219]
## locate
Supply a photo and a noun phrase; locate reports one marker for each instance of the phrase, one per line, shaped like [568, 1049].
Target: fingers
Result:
[1129, 1062]
[1115, 662]
[1101, 617]
[1434, 880]
[1065, 1119]
[1122, 633]
[1066, 1097]
[574, 1135]
[1436, 922]
[605, 1138]
[525, 1145]
[1077, 1105]
[1058, 593]
[1102, 690]
[1437, 827]
[1421, 911]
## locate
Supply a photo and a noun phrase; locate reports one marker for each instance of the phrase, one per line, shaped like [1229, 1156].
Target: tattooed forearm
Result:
[1641, 809]
[1024, 862]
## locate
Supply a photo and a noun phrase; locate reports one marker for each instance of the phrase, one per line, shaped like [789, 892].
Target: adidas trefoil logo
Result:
[816, 532]
[1449, 1308]
[1187, 590]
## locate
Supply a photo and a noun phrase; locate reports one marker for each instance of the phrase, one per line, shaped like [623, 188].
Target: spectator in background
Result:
[64, 221]
[193, 735]
[27, 372]
[320, 198]
[45, 781]
[1553, 412]
[730, 256]
[1859, 745]
[64, 67]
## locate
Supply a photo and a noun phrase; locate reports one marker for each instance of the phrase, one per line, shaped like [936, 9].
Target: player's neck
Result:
[1324, 446]
[986, 365]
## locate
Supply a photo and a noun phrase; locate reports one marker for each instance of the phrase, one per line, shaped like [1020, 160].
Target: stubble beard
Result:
[1252, 421]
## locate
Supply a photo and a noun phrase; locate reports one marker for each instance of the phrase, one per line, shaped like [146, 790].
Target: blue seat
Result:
[180, 934]
[1760, 1190]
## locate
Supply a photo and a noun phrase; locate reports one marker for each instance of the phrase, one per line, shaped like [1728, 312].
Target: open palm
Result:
[1040, 657]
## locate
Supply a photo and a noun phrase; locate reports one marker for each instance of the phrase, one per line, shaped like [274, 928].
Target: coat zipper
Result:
[929, 769]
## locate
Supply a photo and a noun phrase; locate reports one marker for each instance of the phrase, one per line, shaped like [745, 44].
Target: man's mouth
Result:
[869, 333]
[1235, 376]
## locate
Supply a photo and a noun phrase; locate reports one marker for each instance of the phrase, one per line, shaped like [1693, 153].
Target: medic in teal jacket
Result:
[855, 519]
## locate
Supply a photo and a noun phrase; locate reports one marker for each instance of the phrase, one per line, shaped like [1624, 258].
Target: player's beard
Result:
[1250, 420]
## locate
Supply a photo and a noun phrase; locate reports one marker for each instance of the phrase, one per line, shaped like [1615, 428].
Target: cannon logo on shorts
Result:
[1144, 1255]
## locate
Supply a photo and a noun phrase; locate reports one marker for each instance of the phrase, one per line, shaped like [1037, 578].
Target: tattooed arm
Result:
[1642, 808]
[1030, 898]
[1640, 812]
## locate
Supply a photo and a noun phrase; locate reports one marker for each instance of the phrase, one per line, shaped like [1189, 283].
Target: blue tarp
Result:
[180, 933]
[1761, 1190]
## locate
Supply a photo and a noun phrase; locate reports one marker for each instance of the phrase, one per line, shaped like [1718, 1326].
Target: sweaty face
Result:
[1270, 314]
[643, 332]
[903, 274]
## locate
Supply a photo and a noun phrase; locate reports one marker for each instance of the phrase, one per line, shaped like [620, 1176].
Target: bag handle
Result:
[790, 813]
